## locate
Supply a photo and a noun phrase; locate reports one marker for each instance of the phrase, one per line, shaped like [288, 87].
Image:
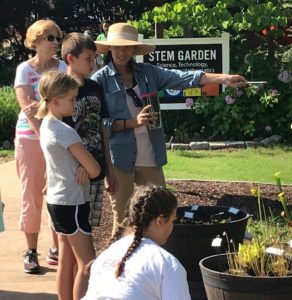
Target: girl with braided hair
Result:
[134, 266]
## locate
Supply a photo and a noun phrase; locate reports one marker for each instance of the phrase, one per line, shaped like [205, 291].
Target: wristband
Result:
[125, 127]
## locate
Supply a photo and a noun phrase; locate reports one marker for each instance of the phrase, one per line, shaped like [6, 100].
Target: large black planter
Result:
[190, 243]
[223, 286]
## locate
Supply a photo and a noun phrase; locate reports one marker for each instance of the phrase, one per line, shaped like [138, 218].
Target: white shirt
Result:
[27, 75]
[150, 273]
[145, 154]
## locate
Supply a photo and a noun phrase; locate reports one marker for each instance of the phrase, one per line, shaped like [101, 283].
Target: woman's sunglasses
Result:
[134, 96]
[51, 38]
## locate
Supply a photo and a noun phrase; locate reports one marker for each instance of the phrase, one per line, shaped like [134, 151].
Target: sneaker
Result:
[31, 263]
[52, 257]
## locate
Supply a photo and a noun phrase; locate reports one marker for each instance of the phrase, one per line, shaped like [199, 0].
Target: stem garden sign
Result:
[208, 54]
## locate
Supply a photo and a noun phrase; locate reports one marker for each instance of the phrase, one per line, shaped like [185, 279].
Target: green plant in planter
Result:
[269, 252]
[254, 258]
[250, 257]
[286, 213]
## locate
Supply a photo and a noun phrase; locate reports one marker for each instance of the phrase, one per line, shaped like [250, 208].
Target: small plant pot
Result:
[220, 285]
[189, 243]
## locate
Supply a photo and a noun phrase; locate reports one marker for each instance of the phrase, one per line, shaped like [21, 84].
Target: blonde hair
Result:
[53, 84]
[37, 30]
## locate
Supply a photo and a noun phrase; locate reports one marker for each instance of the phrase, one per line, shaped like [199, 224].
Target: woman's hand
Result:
[145, 116]
[81, 175]
[235, 81]
[111, 183]
[31, 109]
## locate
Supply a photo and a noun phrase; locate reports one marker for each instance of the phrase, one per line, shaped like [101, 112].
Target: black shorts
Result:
[68, 219]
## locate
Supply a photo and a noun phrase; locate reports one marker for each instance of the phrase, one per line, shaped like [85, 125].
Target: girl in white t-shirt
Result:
[135, 266]
[67, 201]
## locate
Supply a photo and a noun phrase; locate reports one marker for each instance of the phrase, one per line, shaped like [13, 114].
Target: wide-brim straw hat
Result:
[123, 34]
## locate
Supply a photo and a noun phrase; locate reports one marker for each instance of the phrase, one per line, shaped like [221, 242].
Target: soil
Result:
[229, 194]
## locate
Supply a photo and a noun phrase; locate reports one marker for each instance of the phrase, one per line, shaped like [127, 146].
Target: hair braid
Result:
[120, 230]
[138, 234]
[134, 245]
[148, 203]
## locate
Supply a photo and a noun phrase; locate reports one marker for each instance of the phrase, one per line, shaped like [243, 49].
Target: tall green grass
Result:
[253, 165]
[4, 153]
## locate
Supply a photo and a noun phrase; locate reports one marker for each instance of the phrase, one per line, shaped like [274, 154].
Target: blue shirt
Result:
[149, 79]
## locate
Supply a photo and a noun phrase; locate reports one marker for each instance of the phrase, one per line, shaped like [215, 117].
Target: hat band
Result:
[124, 36]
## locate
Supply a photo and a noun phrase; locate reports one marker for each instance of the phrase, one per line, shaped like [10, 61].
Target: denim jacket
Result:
[150, 78]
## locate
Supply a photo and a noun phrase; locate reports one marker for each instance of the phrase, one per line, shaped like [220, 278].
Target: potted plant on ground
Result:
[262, 267]
[196, 227]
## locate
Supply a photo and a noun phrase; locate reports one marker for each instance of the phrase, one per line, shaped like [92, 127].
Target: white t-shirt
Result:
[145, 154]
[150, 273]
[55, 138]
[26, 75]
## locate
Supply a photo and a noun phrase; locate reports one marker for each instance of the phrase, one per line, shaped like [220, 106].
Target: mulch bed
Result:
[205, 193]
[200, 193]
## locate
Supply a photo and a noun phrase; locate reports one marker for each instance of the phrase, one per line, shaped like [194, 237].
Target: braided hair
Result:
[148, 203]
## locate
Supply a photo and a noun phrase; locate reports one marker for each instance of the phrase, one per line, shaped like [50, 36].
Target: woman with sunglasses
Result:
[43, 37]
[137, 151]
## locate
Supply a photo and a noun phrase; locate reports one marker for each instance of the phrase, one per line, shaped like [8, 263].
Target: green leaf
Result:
[199, 8]
[178, 7]
[282, 21]
[225, 24]
[266, 21]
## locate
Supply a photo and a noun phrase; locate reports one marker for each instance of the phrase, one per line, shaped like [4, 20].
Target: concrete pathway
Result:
[14, 283]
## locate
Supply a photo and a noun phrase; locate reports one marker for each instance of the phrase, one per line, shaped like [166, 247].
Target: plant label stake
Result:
[274, 250]
[233, 210]
[256, 82]
[195, 207]
[216, 242]
[188, 215]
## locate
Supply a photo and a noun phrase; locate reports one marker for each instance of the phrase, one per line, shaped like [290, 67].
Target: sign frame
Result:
[223, 40]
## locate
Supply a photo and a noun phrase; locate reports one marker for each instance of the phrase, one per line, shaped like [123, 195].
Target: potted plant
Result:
[262, 267]
[196, 227]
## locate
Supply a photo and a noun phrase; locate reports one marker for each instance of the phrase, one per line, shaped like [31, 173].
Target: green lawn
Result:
[4, 153]
[254, 165]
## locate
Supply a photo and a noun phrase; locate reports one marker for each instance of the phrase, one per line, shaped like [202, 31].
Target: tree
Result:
[13, 27]
[70, 15]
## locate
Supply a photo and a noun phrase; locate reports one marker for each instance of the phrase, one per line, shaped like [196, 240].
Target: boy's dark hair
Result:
[75, 43]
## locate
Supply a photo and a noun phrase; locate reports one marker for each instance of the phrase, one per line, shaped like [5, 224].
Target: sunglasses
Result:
[51, 38]
[134, 96]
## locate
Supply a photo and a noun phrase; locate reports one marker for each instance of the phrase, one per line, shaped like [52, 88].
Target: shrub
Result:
[7, 74]
[9, 110]
[260, 49]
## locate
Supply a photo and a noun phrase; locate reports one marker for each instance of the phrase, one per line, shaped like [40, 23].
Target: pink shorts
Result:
[31, 168]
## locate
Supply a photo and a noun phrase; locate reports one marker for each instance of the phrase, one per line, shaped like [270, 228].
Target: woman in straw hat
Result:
[138, 153]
